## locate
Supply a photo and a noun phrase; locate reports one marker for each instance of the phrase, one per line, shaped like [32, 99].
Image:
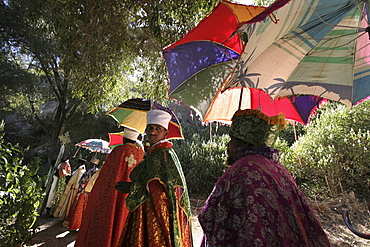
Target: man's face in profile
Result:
[155, 133]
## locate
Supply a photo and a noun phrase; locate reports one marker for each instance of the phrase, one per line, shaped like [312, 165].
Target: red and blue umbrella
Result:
[227, 102]
[200, 63]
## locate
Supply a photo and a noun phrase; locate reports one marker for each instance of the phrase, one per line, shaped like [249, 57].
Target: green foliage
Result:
[333, 156]
[203, 162]
[101, 44]
[19, 195]
[264, 2]
[291, 132]
[202, 154]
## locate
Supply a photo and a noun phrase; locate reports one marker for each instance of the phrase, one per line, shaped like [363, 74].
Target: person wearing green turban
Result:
[256, 202]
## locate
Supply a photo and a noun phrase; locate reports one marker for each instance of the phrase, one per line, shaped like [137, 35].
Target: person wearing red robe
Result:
[106, 212]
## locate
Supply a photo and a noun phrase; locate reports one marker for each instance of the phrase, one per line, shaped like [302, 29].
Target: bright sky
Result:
[246, 2]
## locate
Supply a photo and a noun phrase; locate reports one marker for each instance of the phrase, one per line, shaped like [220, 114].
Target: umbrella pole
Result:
[296, 139]
[295, 132]
[240, 98]
[76, 152]
[210, 135]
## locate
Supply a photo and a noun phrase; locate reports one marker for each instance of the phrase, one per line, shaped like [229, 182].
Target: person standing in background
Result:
[63, 169]
[70, 192]
[73, 221]
[106, 212]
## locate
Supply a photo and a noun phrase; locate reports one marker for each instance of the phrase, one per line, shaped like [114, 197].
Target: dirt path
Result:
[50, 231]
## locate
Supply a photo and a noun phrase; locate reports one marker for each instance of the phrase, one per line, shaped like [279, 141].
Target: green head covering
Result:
[256, 128]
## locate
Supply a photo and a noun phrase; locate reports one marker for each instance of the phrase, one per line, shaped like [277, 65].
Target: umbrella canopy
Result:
[115, 139]
[132, 114]
[318, 47]
[199, 63]
[95, 145]
[297, 108]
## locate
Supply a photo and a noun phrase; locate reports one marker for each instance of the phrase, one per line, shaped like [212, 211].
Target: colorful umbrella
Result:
[132, 114]
[318, 47]
[95, 145]
[115, 139]
[297, 108]
[199, 63]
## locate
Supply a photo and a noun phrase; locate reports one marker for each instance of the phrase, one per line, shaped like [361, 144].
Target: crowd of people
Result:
[139, 198]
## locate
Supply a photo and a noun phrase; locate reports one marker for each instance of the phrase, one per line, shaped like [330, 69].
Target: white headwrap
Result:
[158, 117]
[130, 134]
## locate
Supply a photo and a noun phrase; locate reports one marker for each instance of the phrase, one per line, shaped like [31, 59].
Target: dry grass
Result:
[329, 212]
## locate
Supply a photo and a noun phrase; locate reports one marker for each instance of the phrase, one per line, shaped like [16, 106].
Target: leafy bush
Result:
[333, 156]
[291, 132]
[19, 195]
[330, 157]
[202, 154]
[203, 163]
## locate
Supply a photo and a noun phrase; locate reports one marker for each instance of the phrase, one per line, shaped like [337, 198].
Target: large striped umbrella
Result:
[199, 63]
[318, 47]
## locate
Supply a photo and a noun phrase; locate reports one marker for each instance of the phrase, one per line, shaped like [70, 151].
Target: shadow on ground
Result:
[50, 232]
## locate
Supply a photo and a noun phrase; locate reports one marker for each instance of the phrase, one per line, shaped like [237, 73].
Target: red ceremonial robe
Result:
[106, 212]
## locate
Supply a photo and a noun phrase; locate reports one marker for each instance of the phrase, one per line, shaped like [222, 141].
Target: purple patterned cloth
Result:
[256, 202]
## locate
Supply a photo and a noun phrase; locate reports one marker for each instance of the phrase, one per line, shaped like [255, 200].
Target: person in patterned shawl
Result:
[106, 212]
[256, 202]
[158, 201]
[70, 192]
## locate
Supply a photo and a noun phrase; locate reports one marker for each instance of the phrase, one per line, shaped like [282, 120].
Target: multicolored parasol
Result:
[115, 139]
[199, 63]
[297, 108]
[95, 145]
[318, 47]
[132, 114]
